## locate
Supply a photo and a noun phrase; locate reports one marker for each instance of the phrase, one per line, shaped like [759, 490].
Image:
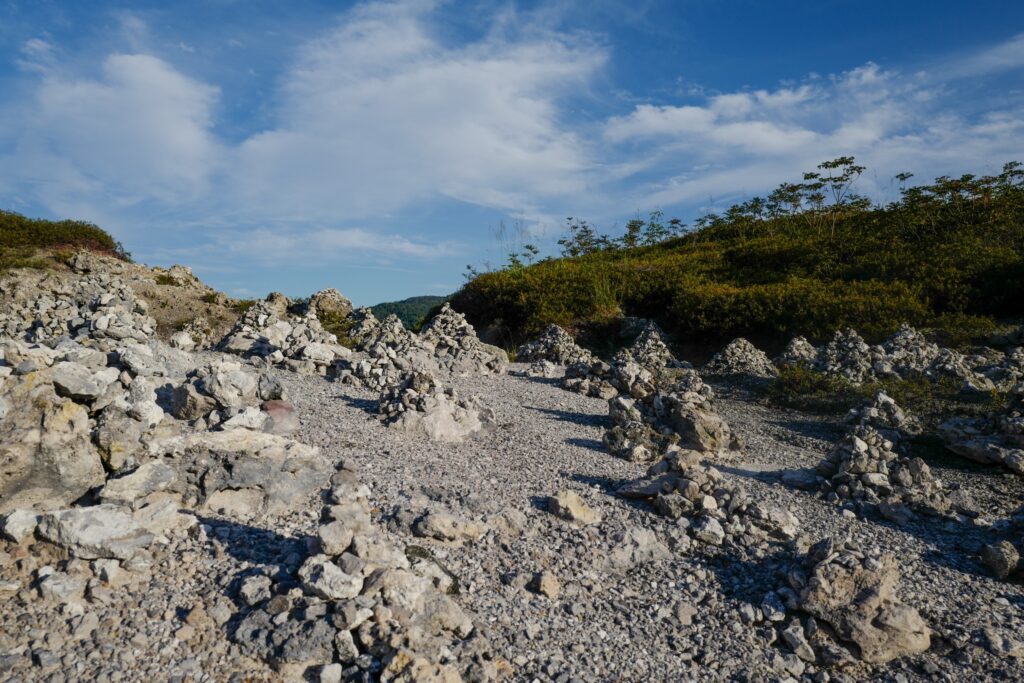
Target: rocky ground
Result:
[413, 510]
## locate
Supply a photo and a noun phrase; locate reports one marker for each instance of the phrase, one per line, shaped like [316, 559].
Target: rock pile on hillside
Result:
[905, 354]
[97, 305]
[798, 353]
[420, 405]
[681, 415]
[740, 358]
[362, 609]
[265, 331]
[853, 591]
[683, 489]
[455, 347]
[634, 370]
[554, 345]
[990, 439]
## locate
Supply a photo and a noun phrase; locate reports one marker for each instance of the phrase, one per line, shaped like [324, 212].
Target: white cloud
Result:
[735, 144]
[140, 132]
[378, 113]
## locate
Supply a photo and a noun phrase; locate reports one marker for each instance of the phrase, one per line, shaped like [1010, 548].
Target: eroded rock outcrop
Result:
[854, 591]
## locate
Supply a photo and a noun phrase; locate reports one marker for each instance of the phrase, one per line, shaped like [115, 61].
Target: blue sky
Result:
[377, 147]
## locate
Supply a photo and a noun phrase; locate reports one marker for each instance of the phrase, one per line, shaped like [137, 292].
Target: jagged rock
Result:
[636, 546]
[102, 531]
[45, 447]
[740, 358]
[329, 302]
[855, 593]
[132, 488]
[447, 527]
[569, 506]
[17, 525]
[556, 346]
[419, 405]
[241, 473]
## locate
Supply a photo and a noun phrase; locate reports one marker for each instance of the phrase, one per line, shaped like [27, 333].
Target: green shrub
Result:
[947, 255]
[165, 279]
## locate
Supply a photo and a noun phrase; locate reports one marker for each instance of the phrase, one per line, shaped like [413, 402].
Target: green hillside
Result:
[810, 258]
[410, 311]
[22, 239]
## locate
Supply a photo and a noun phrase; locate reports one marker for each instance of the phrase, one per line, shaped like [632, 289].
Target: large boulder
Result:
[47, 458]
[855, 593]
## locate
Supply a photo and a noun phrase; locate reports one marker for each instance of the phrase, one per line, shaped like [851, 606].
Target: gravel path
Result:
[634, 624]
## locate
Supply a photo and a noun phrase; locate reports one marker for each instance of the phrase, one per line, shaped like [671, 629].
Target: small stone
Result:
[255, 589]
[569, 506]
[1002, 558]
[546, 584]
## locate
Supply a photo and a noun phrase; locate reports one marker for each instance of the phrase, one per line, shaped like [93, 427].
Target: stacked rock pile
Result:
[361, 608]
[697, 496]
[265, 331]
[420, 405]
[556, 346]
[740, 359]
[680, 415]
[455, 347]
[97, 305]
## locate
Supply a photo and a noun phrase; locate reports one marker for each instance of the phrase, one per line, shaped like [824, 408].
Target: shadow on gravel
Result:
[592, 444]
[750, 580]
[767, 476]
[253, 544]
[575, 418]
[365, 404]
[551, 381]
[814, 429]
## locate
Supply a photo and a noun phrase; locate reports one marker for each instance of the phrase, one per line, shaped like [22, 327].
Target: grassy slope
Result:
[939, 257]
[410, 311]
[24, 240]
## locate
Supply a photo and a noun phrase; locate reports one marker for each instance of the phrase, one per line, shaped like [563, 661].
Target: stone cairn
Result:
[455, 347]
[555, 345]
[905, 354]
[742, 359]
[362, 608]
[648, 423]
[634, 370]
[420, 405]
[97, 305]
[265, 331]
[852, 590]
[388, 352]
[696, 496]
